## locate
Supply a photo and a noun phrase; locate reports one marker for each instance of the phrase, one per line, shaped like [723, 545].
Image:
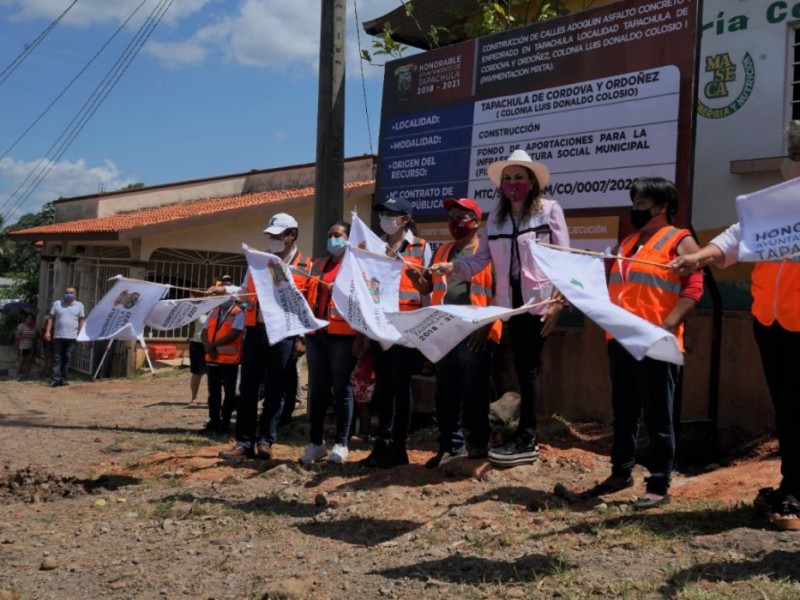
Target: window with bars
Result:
[795, 73]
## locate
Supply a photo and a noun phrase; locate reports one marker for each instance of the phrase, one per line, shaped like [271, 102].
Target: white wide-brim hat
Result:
[521, 158]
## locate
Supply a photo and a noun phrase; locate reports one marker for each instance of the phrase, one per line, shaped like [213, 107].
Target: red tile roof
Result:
[116, 226]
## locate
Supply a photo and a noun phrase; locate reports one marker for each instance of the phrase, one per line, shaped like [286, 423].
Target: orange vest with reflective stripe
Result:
[480, 286]
[414, 253]
[648, 291]
[231, 353]
[336, 324]
[300, 281]
[776, 294]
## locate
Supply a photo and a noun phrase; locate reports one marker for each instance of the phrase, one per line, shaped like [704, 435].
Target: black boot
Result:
[379, 450]
[395, 456]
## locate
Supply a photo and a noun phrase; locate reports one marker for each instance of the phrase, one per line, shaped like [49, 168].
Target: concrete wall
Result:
[575, 380]
[227, 235]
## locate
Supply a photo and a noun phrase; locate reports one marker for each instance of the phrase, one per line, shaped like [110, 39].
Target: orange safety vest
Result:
[480, 286]
[776, 294]
[336, 323]
[414, 253]
[648, 291]
[300, 281]
[230, 354]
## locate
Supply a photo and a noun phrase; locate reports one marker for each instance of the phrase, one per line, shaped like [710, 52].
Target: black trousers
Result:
[780, 357]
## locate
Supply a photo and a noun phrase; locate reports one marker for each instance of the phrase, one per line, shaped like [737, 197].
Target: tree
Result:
[489, 16]
[19, 260]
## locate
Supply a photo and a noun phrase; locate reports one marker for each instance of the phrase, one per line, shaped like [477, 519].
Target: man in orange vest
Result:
[222, 341]
[661, 297]
[776, 328]
[462, 375]
[263, 362]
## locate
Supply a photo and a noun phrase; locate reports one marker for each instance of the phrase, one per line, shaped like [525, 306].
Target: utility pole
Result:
[329, 183]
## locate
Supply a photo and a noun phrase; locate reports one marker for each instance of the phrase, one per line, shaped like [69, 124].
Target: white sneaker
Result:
[339, 454]
[313, 453]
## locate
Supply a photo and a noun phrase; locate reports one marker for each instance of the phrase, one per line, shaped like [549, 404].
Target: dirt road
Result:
[108, 491]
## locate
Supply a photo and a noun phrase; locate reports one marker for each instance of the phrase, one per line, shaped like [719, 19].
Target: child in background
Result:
[25, 337]
[363, 387]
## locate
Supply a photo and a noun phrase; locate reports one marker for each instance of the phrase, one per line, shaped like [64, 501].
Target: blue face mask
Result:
[335, 245]
[69, 297]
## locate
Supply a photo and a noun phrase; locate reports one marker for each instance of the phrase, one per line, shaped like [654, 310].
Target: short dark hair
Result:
[659, 190]
[344, 224]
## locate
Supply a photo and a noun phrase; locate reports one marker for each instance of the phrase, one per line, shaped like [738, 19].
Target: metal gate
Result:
[184, 270]
[91, 280]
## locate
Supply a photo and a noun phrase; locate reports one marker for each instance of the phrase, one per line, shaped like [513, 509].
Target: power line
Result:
[96, 99]
[12, 66]
[363, 82]
[73, 80]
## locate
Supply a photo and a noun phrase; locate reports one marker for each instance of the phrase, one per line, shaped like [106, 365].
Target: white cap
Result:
[280, 223]
[520, 158]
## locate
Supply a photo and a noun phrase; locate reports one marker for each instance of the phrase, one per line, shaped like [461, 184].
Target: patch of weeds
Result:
[555, 568]
[628, 588]
[775, 589]
[159, 447]
[510, 538]
[561, 419]
[629, 531]
[759, 586]
[477, 591]
[267, 523]
[433, 536]
[161, 508]
[191, 440]
[198, 509]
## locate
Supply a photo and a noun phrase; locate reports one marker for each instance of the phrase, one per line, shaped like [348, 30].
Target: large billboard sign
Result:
[601, 97]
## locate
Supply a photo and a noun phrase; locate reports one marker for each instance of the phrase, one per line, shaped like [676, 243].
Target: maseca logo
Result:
[730, 86]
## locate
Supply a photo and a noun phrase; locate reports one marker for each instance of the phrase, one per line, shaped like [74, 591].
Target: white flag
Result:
[770, 223]
[436, 330]
[121, 313]
[360, 233]
[285, 309]
[172, 314]
[366, 288]
[582, 279]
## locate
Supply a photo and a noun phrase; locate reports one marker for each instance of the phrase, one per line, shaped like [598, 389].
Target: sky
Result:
[218, 87]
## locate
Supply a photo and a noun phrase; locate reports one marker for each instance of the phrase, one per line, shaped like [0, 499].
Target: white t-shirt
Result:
[67, 319]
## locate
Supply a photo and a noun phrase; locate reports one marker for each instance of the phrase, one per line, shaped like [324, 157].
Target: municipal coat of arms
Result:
[277, 272]
[374, 287]
[126, 299]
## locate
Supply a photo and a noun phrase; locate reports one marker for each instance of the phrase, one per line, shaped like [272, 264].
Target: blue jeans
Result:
[330, 372]
[261, 363]
[638, 385]
[62, 357]
[393, 370]
[462, 395]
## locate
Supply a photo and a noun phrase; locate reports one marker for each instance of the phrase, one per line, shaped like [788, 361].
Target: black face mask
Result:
[640, 218]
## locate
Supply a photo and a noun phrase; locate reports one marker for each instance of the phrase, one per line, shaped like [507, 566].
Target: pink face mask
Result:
[516, 192]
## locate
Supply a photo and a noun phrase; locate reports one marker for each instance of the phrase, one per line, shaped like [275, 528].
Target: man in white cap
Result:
[262, 362]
